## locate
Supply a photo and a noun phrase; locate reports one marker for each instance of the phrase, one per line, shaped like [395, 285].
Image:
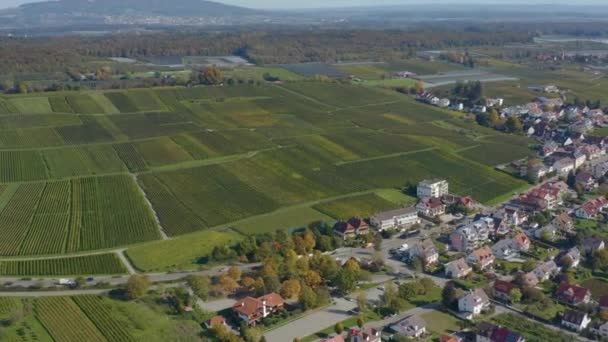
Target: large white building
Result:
[399, 218]
[433, 188]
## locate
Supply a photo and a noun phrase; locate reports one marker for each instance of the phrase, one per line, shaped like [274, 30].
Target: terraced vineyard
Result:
[75, 266]
[65, 321]
[70, 216]
[76, 166]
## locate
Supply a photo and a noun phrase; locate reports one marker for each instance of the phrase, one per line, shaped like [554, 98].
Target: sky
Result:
[275, 4]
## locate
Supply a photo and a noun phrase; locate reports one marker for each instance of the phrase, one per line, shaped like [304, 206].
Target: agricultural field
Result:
[32, 105]
[70, 216]
[290, 219]
[184, 252]
[93, 318]
[357, 206]
[257, 73]
[73, 266]
[256, 158]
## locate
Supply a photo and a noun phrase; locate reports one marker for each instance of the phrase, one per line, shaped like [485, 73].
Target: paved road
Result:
[14, 282]
[53, 293]
[313, 322]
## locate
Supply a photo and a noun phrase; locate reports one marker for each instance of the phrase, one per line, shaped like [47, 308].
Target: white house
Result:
[398, 218]
[433, 188]
[575, 320]
[546, 270]
[474, 302]
[412, 326]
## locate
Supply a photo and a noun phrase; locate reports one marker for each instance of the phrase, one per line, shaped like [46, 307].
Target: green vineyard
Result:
[75, 266]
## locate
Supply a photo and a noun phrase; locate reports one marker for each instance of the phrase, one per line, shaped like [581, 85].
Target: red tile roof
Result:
[503, 286]
[217, 320]
[272, 299]
[571, 293]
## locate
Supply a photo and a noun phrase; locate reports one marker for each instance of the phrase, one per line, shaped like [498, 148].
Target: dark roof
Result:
[574, 317]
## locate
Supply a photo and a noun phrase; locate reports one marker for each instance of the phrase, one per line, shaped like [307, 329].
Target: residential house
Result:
[600, 170]
[470, 236]
[450, 338]
[600, 330]
[563, 222]
[546, 197]
[592, 208]
[215, 321]
[564, 166]
[457, 269]
[482, 257]
[252, 310]
[592, 152]
[592, 244]
[398, 218]
[503, 249]
[573, 294]
[549, 148]
[426, 251]
[474, 302]
[443, 103]
[431, 206]
[546, 270]
[487, 332]
[521, 242]
[365, 335]
[575, 320]
[351, 228]
[433, 188]
[586, 180]
[494, 102]
[514, 216]
[572, 257]
[502, 290]
[579, 159]
[411, 326]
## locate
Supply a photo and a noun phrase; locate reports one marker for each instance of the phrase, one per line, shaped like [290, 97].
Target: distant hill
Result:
[128, 12]
[173, 8]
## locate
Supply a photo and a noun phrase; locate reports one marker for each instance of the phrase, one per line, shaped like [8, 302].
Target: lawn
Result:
[440, 322]
[530, 330]
[598, 287]
[181, 253]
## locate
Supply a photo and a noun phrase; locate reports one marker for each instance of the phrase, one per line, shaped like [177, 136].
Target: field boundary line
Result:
[161, 230]
[386, 156]
[121, 255]
[311, 99]
[365, 106]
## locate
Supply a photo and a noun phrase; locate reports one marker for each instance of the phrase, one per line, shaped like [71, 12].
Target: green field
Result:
[93, 318]
[253, 157]
[70, 216]
[363, 206]
[184, 252]
[290, 218]
[74, 266]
